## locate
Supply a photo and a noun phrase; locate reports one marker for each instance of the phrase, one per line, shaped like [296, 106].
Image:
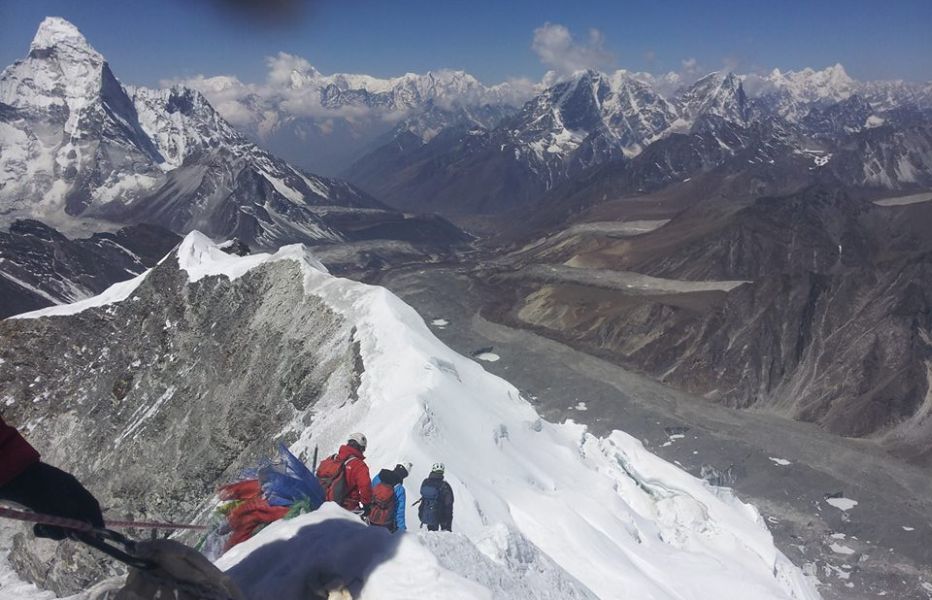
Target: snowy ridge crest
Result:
[589, 517]
[200, 257]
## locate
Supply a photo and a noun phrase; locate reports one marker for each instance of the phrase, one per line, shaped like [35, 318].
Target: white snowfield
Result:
[905, 200]
[542, 510]
[626, 281]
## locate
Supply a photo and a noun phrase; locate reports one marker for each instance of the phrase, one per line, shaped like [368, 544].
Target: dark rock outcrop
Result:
[40, 267]
[154, 400]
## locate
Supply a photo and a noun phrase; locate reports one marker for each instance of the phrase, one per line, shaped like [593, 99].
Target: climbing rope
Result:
[42, 519]
[98, 538]
[152, 525]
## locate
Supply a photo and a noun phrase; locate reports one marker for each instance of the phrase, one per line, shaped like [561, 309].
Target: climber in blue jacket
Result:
[395, 478]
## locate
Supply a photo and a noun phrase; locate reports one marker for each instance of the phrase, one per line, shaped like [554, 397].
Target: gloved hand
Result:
[45, 489]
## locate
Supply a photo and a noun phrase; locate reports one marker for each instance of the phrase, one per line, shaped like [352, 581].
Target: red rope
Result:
[152, 525]
[32, 517]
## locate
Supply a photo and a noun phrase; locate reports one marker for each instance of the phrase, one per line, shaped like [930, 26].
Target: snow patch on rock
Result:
[844, 504]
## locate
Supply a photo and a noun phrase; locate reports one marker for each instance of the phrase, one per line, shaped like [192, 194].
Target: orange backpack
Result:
[382, 509]
[332, 476]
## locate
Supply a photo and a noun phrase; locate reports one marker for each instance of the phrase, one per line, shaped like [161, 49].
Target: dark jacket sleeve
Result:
[446, 501]
[15, 453]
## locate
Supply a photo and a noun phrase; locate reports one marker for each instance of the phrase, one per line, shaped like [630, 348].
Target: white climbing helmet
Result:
[437, 468]
[360, 440]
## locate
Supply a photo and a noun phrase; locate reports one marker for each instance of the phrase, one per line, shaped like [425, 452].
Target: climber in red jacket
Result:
[25, 480]
[345, 475]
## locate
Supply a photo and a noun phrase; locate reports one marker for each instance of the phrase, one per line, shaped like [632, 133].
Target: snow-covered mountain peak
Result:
[403, 91]
[61, 68]
[78, 150]
[719, 94]
[621, 77]
[60, 60]
[792, 94]
[56, 32]
[832, 83]
[303, 75]
[838, 74]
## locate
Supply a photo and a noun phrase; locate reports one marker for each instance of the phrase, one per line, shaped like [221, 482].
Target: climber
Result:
[436, 503]
[388, 498]
[345, 476]
[25, 480]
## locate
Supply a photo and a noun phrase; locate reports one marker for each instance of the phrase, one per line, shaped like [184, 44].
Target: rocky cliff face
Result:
[832, 324]
[40, 267]
[187, 376]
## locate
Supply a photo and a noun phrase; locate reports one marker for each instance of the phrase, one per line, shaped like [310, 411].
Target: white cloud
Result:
[731, 63]
[287, 70]
[293, 89]
[556, 49]
[515, 91]
[226, 93]
[326, 126]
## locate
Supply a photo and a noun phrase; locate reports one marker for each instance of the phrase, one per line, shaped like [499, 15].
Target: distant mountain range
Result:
[82, 154]
[875, 134]
[444, 141]
[323, 122]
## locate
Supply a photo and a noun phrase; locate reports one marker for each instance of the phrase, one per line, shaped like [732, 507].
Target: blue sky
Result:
[149, 41]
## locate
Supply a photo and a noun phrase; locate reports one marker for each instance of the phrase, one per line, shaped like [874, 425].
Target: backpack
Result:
[332, 476]
[382, 509]
[429, 510]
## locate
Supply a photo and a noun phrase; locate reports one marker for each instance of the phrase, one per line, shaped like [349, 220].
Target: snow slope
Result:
[549, 502]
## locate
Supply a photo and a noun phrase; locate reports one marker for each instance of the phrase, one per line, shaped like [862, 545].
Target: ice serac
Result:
[307, 358]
